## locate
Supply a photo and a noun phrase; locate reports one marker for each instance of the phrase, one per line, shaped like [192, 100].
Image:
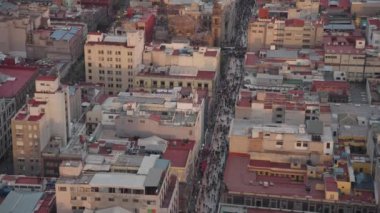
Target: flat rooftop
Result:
[239, 179]
[14, 78]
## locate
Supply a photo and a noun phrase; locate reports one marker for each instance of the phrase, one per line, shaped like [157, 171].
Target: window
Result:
[279, 143]
[125, 200]
[89, 51]
[118, 79]
[62, 189]
[89, 77]
[101, 71]
[118, 72]
[129, 53]
[101, 52]
[74, 198]
[83, 198]
[110, 85]
[118, 66]
[94, 189]
[118, 85]
[129, 66]
[118, 59]
[206, 85]
[135, 200]
[111, 190]
[89, 71]
[130, 60]
[180, 84]
[162, 83]
[117, 53]
[110, 79]
[89, 64]
[97, 199]
[100, 65]
[171, 84]
[299, 144]
[109, 59]
[199, 85]
[109, 52]
[327, 145]
[188, 84]
[109, 72]
[111, 199]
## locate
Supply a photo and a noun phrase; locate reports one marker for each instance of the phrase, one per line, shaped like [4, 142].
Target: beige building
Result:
[146, 187]
[154, 78]
[281, 143]
[110, 60]
[347, 54]
[47, 115]
[63, 41]
[183, 55]
[275, 107]
[290, 33]
[16, 26]
[30, 134]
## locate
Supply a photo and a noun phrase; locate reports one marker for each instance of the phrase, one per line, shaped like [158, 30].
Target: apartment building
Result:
[293, 107]
[366, 8]
[46, 116]
[30, 134]
[373, 32]
[62, 42]
[373, 91]
[110, 59]
[16, 82]
[183, 55]
[146, 187]
[348, 53]
[151, 78]
[282, 143]
[291, 33]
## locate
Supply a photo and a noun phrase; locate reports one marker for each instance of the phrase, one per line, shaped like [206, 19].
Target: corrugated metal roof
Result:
[153, 178]
[17, 202]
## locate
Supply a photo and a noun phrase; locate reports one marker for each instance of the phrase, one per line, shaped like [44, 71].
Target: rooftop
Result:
[14, 78]
[20, 202]
[178, 152]
[65, 33]
[175, 72]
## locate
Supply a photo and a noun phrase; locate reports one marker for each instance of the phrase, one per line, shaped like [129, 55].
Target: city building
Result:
[181, 54]
[291, 33]
[63, 42]
[271, 186]
[110, 59]
[46, 116]
[138, 19]
[17, 24]
[146, 186]
[373, 32]
[151, 78]
[16, 83]
[366, 8]
[293, 107]
[282, 143]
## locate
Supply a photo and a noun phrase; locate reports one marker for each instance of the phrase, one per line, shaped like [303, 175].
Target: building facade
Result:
[290, 33]
[110, 60]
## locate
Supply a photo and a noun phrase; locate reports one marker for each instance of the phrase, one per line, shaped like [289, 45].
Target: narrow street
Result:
[207, 191]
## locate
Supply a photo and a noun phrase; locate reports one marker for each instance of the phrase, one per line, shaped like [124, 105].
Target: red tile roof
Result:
[294, 23]
[239, 179]
[209, 75]
[264, 13]
[330, 184]
[29, 180]
[375, 22]
[22, 75]
[251, 59]
[209, 53]
[35, 117]
[46, 78]
[178, 152]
